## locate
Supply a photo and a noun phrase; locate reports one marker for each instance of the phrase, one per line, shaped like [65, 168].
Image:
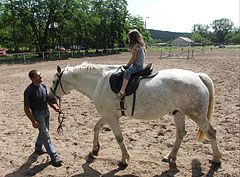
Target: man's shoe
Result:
[56, 161]
[40, 152]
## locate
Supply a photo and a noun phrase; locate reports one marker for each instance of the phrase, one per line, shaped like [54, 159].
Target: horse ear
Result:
[59, 69]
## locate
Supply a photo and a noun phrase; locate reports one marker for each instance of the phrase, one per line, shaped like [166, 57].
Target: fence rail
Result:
[55, 55]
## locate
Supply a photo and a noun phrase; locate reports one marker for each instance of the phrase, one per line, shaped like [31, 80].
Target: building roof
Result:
[186, 39]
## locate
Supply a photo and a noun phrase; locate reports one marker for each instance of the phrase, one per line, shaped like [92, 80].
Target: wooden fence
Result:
[56, 55]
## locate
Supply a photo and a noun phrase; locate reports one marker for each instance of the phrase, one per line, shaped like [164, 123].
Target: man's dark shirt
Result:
[35, 97]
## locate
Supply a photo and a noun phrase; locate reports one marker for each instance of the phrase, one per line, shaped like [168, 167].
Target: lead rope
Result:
[60, 121]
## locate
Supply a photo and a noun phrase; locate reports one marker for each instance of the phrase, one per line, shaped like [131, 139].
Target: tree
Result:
[233, 37]
[197, 38]
[44, 24]
[136, 22]
[118, 14]
[201, 29]
[13, 33]
[221, 28]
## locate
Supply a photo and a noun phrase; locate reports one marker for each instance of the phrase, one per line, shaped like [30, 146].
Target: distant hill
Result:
[166, 35]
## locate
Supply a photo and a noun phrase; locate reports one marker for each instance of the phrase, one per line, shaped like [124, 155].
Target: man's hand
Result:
[59, 110]
[35, 124]
[28, 113]
[56, 108]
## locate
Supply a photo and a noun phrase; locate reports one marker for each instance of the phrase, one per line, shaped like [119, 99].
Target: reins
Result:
[60, 120]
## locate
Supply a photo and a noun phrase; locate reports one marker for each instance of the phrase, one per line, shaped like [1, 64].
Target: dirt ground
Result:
[147, 141]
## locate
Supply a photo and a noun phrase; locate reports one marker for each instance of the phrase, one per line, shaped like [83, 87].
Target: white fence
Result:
[54, 55]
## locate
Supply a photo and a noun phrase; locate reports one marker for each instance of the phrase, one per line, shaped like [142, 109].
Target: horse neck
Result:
[85, 83]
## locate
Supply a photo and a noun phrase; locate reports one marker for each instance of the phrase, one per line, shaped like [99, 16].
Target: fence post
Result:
[24, 56]
[188, 54]
[43, 55]
[161, 54]
[72, 53]
[59, 57]
[170, 52]
[192, 53]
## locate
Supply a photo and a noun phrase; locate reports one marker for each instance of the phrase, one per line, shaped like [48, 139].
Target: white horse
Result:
[191, 94]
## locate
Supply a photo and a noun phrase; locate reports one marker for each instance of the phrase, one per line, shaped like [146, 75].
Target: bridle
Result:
[56, 86]
[60, 121]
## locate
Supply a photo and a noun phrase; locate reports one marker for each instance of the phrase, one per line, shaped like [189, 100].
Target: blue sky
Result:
[180, 15]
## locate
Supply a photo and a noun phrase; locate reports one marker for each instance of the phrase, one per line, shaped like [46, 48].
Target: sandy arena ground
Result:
[147, 141]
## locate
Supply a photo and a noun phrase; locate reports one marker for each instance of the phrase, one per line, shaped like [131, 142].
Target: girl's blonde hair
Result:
[135, 37]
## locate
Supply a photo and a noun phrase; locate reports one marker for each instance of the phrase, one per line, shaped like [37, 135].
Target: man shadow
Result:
[25, 169]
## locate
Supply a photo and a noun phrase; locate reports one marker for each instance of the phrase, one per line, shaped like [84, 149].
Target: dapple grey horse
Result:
[191, 94]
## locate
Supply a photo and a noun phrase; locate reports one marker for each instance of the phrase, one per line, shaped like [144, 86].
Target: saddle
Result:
[116, 79]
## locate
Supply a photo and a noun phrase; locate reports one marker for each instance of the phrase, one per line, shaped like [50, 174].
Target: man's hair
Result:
[31, 73]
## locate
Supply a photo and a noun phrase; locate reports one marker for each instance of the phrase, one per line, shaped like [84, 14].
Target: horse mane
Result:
[86, 67]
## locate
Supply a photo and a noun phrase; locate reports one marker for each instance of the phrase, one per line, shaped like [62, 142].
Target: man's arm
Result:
[57, 109]
[30, 116]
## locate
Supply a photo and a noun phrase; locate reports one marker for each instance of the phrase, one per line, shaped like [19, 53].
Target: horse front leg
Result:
[114, 124]
[96, 145]
[179, 119]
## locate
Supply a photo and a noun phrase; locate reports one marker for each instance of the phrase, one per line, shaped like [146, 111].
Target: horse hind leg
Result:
[210, 132]
[179, 119]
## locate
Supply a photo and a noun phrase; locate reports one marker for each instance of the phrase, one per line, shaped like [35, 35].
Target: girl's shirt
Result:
[140, 55]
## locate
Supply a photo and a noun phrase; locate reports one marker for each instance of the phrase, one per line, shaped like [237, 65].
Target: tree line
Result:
[220, 31]
[40, 25]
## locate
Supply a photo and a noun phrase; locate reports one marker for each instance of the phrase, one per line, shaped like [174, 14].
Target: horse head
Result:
[57, 90]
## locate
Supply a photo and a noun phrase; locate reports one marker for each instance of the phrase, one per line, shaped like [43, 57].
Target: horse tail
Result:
[210, 86]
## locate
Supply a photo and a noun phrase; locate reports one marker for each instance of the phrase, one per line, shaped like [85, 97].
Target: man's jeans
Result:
[43, 137]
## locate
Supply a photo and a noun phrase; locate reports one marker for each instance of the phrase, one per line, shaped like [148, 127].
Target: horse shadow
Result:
[196, 170]
[170, 172]
[89, 171]
[25, 169]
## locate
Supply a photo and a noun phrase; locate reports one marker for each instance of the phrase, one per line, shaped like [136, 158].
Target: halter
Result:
[59, 129]
[57, 83]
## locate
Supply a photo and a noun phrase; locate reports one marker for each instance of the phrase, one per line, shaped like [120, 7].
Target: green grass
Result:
[194, 48]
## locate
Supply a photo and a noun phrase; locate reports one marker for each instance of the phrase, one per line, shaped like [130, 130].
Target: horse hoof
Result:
[169, 159]
[122, 166]
[90, 158]
[215, 163]
[166, 159]
[95, 152]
